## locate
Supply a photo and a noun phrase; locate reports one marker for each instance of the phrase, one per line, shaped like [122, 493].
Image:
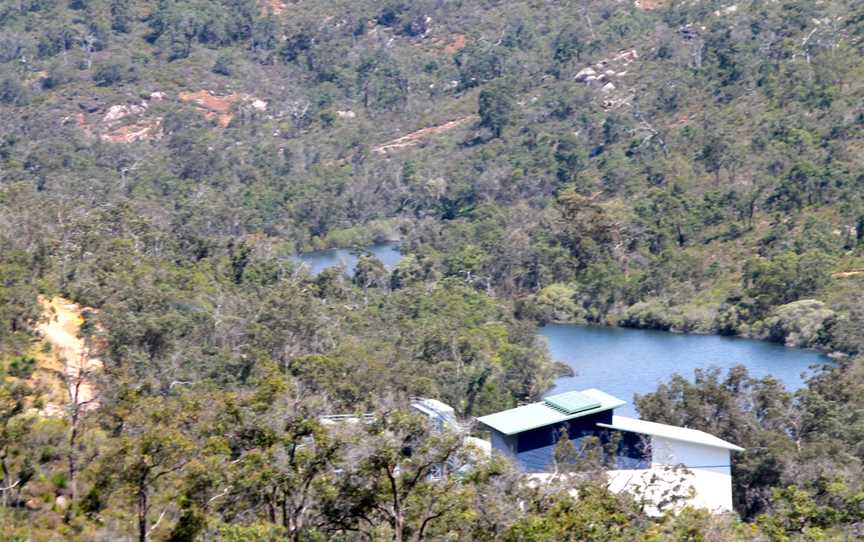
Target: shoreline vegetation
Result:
[805, 323]
[652, 326]
[802, 324]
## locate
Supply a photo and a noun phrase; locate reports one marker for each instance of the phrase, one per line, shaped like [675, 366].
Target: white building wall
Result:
[666, 452]
[707, 470]
[661, 488]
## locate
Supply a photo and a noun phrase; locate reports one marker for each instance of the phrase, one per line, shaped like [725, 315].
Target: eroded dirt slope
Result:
[72, 354]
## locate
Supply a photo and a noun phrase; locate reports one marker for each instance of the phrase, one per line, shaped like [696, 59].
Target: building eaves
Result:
[633, 425]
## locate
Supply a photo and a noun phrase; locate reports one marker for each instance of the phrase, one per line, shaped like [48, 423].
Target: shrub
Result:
[12, 92]
[796, 324]
[556, 302]
[224, 65]
[112, 73]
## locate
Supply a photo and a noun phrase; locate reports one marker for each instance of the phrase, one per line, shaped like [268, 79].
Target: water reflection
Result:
[320, 260]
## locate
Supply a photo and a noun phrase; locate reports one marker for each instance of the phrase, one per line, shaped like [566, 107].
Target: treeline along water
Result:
[623, 361]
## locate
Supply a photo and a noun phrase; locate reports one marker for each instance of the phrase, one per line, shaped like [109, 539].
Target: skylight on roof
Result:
[571, 402]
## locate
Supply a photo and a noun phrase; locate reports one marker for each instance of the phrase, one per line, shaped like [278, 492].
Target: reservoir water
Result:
[320, 260]
[624, 362]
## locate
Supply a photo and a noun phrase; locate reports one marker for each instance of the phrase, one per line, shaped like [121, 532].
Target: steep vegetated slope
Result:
[720, 144]
[685, 165]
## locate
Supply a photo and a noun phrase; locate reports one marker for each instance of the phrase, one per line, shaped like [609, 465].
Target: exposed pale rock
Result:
[78, 118]
[142, 131]
[584, 74]
[626, 56]
[728, 10]
[117, 112]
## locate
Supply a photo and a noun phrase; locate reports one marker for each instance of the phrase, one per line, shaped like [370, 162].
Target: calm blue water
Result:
[320, 260]
[623, 362]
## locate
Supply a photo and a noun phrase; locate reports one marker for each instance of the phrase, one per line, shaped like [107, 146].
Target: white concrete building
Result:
[696, 461]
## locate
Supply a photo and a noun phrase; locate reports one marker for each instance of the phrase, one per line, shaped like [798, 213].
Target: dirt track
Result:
[850, 273]
[414, 138]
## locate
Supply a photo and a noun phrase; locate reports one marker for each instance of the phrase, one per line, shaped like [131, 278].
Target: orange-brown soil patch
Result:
[648, 5]
[458, 42]
[680, 122]
[212, 107]
[276, 7]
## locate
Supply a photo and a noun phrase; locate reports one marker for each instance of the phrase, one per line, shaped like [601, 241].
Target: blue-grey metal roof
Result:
[525, 418]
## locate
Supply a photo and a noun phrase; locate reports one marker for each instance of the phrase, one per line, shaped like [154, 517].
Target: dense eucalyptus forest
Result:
[686, 165]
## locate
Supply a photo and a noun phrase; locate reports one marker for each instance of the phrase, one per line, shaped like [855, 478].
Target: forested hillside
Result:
[688, 165]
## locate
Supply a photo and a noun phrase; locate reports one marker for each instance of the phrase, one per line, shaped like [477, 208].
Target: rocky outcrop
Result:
[119, 112]
[606, 70]
[586, 75]
[133, 122]
[119, 123]
[608, 76]
[140, 131]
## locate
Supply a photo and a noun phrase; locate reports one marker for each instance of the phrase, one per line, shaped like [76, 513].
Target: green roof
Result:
[554, 409]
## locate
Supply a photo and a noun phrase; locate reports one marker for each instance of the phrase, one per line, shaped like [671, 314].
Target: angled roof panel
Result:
[622, 423]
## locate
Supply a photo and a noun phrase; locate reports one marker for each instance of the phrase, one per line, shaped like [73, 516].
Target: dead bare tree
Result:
[82, 398]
